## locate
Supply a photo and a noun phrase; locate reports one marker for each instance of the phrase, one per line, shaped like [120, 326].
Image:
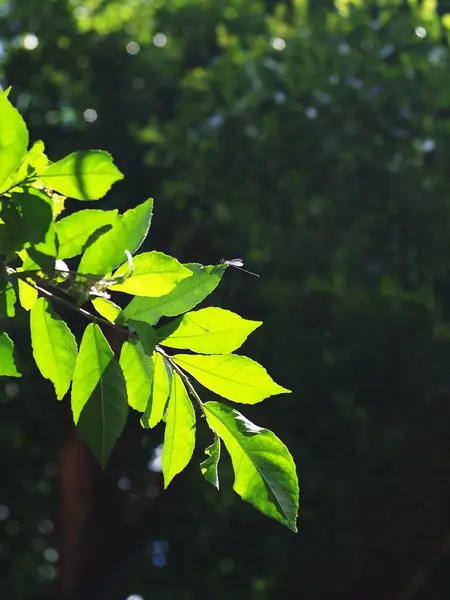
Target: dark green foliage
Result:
[324, 164]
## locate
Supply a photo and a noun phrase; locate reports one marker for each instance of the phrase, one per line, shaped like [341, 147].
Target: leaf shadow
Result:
[104, 415]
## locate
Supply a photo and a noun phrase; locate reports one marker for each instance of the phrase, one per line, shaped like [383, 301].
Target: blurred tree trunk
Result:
[90, 519]
[89, 523]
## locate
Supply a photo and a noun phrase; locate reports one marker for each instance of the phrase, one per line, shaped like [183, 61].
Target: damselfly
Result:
[237, 263]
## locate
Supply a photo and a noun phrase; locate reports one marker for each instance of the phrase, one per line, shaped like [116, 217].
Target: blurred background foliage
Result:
[310, 138]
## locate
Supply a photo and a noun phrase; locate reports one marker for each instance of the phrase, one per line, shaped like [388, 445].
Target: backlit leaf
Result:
[209, 467]
[264, 470]
[179, 435]
[8, 365]
[162, 378]
[99, 397]
[7, 297]
[27, 295]
[127, 233]
[78, 230]
[185, 295]
[137, 367]
[34, 159]
[146, 335]
[154, 274]
[37, 215]
[54, 346]
[12, 231]
[13, 140]
[208, 330]
[108, 309]
[231, 376]
[84, 175]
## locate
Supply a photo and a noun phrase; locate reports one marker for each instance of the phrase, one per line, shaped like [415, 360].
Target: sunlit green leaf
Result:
[127, 233]
[154, 274]
[235, 377]
[59, 203]
[99, 397]
[179, 435]
[8, 364]
[84, 175]
[264, 470]
[209, 467]
[13, 140]
[108, 309]
[77, 231]
[186, 294]
[54, 346]
[27, 295]
[137, 366]
[7, 297]
[208, 330]
[34, 159]
[162, 378]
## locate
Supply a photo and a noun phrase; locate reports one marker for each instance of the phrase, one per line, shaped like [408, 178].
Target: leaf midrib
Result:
[222, 377]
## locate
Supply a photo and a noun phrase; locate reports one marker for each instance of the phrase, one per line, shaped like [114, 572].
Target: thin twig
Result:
[77, 309]
[183, 376]
[26, 181]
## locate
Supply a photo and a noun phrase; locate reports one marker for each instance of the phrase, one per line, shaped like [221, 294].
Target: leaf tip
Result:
[293, 526]
[167, 481]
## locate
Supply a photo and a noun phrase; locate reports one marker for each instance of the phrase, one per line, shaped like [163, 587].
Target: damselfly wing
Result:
[237, 263]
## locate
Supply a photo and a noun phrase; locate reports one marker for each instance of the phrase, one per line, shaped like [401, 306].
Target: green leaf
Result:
[84, 175]
[13, 140]
[146, 335]
[33, 160]
[209, 331]
[99, 396]
[264, 470]
[36, 157]
[186, 294]
[108, 309]
[162, 381]
[209, 467]
[137, 367]
[235, 377]
[77, 231]
[12, 234]
[8, 365]
[27, 295]
[54, 346]
[58, 204]
[127, 233]
[179, 435]
[37, 215]
[7, 297]
[154, 274]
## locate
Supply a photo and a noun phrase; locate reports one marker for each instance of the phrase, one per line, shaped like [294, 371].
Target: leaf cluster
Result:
[83, 260]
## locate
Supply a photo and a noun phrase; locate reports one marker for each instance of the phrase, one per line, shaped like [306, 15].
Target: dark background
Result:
[315, 144]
